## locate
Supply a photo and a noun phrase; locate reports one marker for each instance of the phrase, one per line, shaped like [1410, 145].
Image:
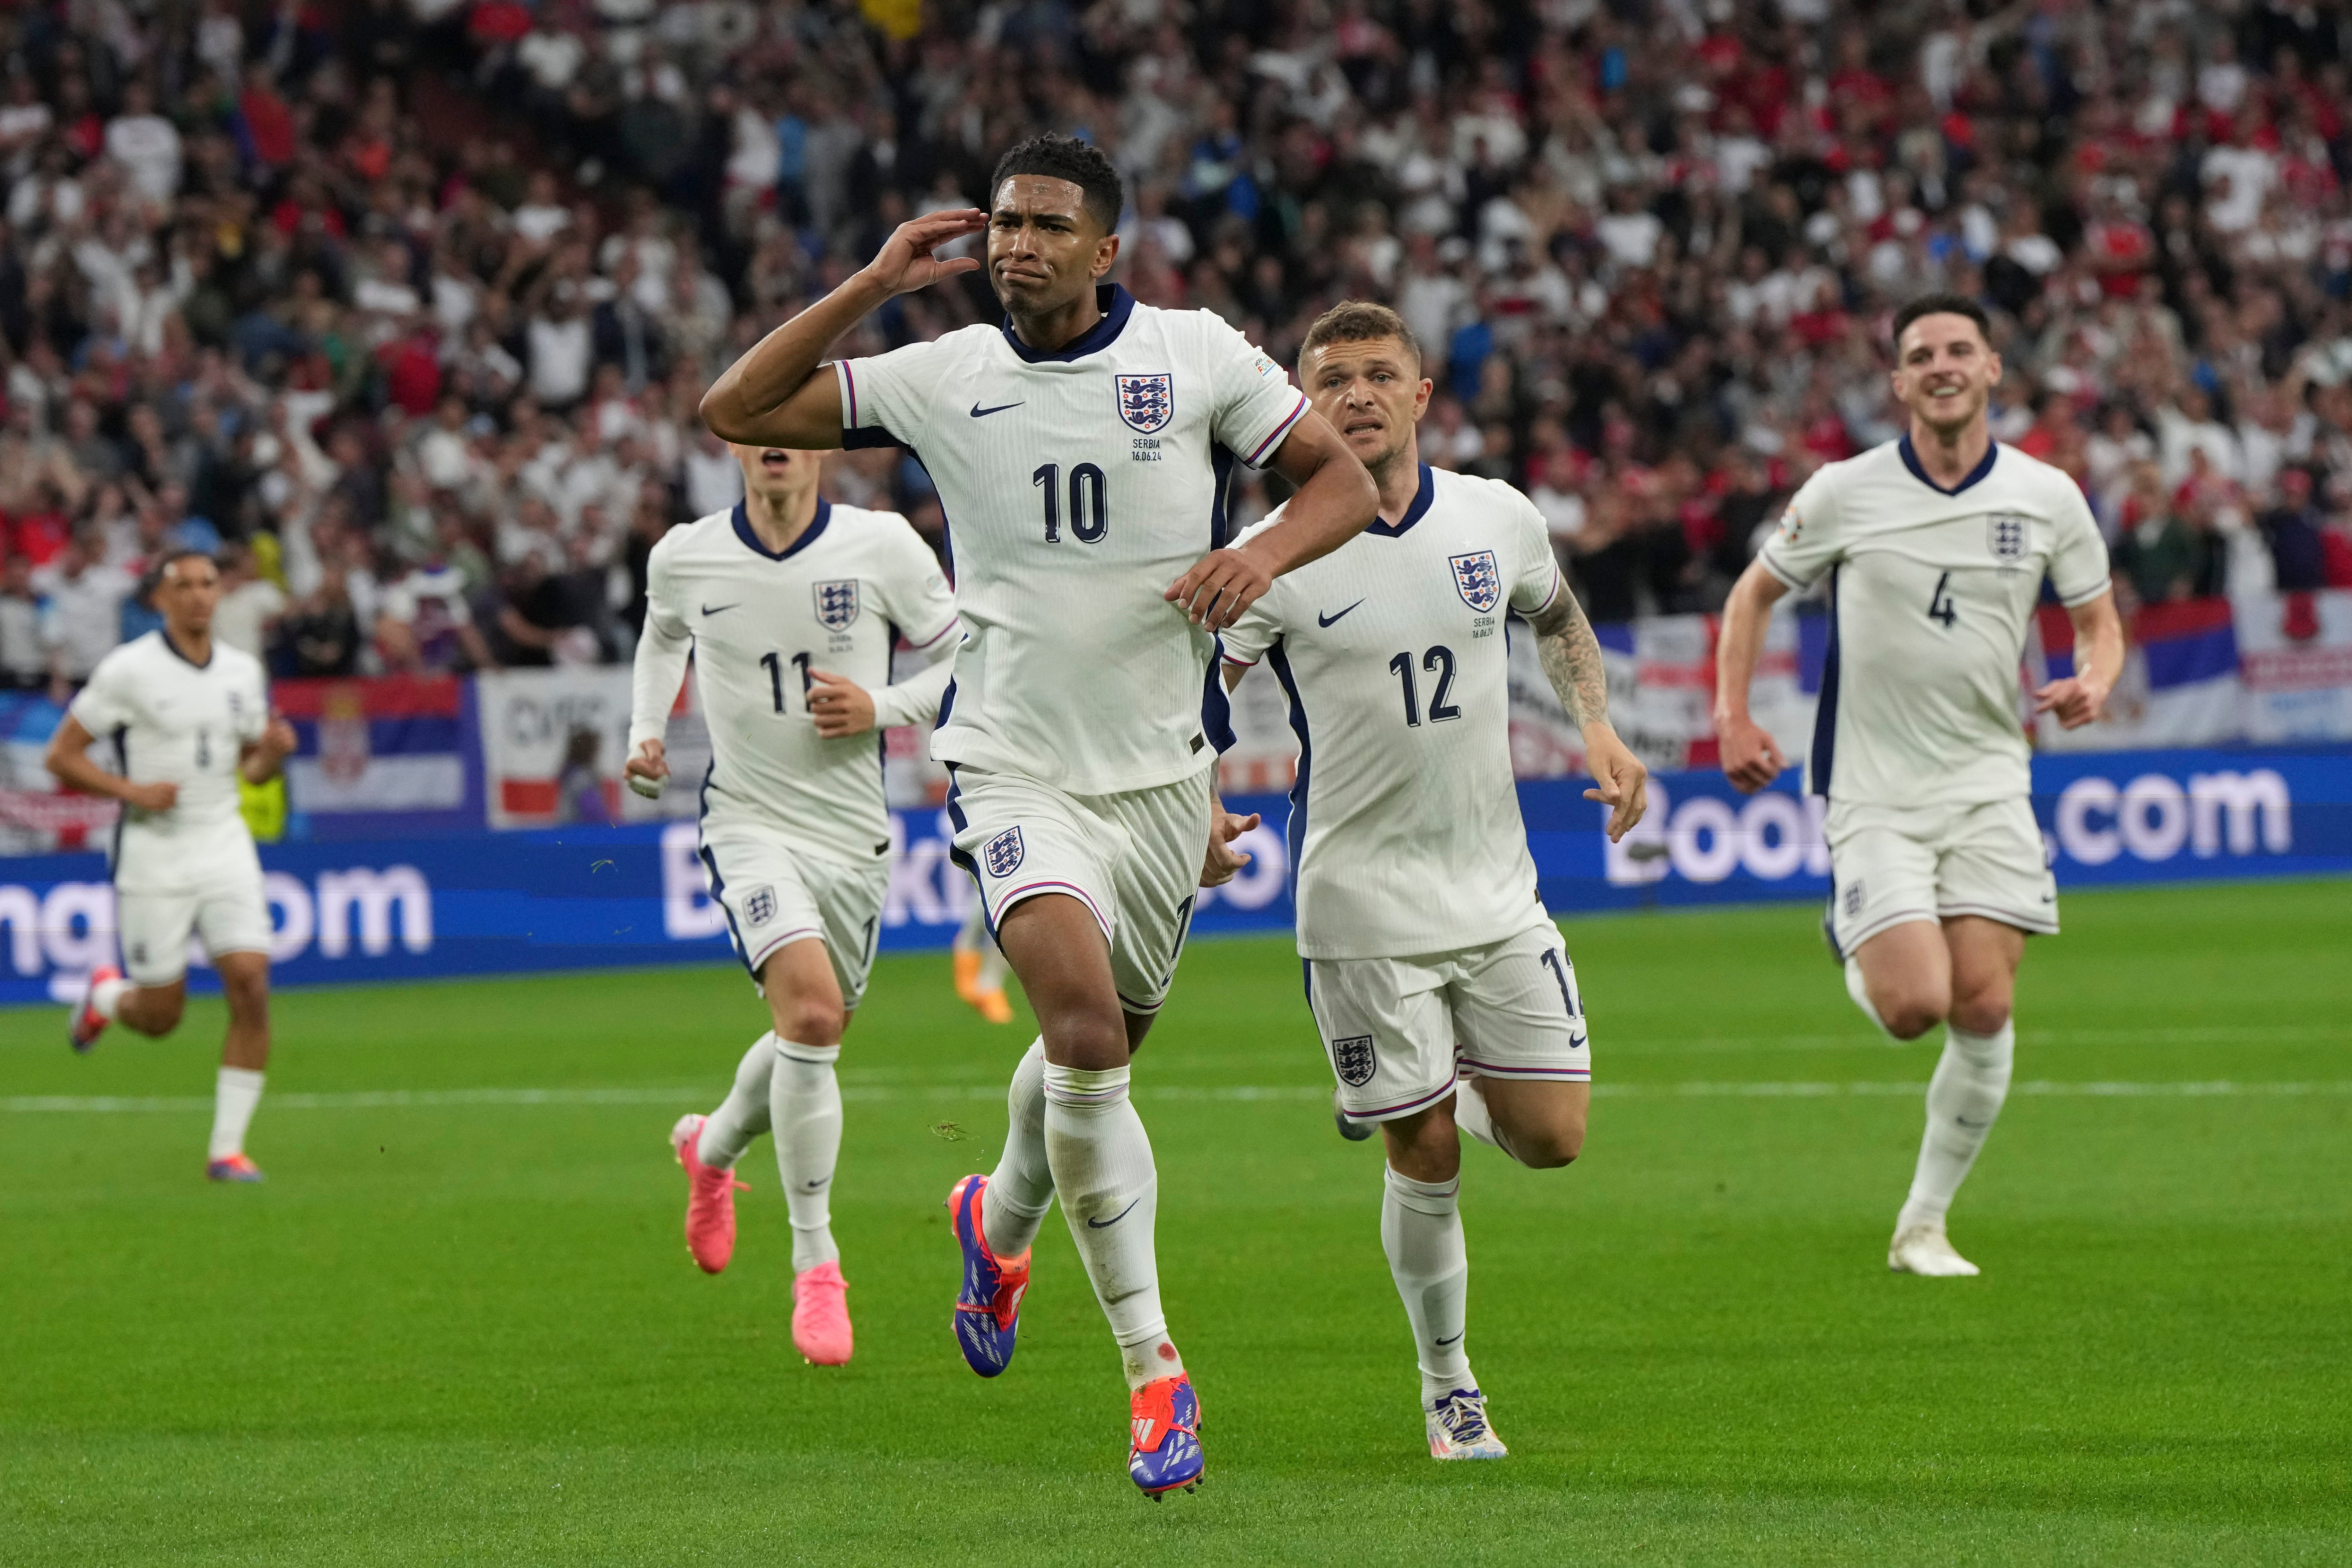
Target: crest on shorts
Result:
[1353, 1059]
[2005, 533]
[760, 906]
[1004, 853]
[1478, 580]
[836, 602]
[1147, 402]
[1854, 899]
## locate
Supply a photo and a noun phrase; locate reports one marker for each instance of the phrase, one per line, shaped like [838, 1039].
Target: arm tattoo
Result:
[1571, 660]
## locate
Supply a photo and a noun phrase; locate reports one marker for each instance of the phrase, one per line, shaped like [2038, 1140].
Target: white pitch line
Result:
[1766, 1088]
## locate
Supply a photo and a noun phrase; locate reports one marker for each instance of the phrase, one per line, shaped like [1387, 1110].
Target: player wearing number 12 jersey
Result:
[1936, 547]
[1440, 984]
[790, 606]
[1081, 452]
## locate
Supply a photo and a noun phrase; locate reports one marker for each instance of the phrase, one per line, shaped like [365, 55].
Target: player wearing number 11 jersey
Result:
[790, 606]
[1936, 547]
[1081, 451]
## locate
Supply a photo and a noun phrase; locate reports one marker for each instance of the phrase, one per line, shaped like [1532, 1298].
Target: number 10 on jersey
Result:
[1089, 501]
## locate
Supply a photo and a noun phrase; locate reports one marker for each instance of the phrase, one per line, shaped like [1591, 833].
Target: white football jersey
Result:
[159, 719]
[1931, 593]
[1405, 836]
[1078, 485]
[758, 623]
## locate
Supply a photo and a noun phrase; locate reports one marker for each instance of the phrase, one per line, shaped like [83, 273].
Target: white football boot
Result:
[1924, 1248]
[1456, 1423]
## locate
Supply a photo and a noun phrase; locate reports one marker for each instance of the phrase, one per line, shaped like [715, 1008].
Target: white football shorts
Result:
[1134, 858]
[1890, 864]
[774, 894]
[229, 913]
[1400, 1031]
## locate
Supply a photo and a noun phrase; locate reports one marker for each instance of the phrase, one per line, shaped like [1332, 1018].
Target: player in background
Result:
[184, 717]
[1442, 988]
[1936, 546]
[979, 968]
[790, 606]
[1082, 451]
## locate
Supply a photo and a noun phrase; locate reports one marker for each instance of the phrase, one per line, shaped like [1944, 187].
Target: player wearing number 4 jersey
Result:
[1935, 547]
[1441, 989]
[1081, 452]
[790, 606]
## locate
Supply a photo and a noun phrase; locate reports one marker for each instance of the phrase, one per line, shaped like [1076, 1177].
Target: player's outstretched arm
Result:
[68, 760]
[2099, 652]
[1571, 662]
[1750, 760]
[777, 394]
[1336, 498]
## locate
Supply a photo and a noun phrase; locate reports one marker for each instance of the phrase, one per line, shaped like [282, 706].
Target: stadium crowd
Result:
[406, 305]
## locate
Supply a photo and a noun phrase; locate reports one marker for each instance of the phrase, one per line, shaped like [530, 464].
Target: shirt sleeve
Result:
[915, 593]
[1535, 573]
[1811, 536]
[884, 399]
[1245, 641]
[1254, 406]
[253, 719]
[2078, 556]
[103, 705]
[660, 666]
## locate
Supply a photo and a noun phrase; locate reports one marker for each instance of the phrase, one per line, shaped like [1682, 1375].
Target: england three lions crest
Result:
[1004, 853]
[2007, 534]
[1478, 580]
[1147, 402]
[836, 604]
[1354, 1061]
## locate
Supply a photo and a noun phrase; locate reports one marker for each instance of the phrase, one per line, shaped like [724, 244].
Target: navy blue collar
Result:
[1115, 305]
[808, 535]
[1911, 461]
[165, 633]
[1420, 499]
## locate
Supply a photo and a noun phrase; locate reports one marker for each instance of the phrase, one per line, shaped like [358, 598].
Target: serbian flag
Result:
[392, 743]
[2180, 684]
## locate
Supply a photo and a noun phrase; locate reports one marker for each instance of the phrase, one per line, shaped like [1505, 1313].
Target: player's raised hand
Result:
[839, 705]
[2075, 703]
[151, 796]
[1224, 859]
[1750, 759]
[905, 262]
[647, 769]
[1620, 781]
[279, 741]
[1218, 588]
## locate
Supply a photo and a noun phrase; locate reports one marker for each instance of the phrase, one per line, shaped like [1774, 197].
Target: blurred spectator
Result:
[250, 603]
[322, 636]
[425, 625]
[83, 620]
[24, 656]
[2293, 529]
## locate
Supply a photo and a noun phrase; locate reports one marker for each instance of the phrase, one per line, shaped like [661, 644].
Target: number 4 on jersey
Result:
[1940, 602]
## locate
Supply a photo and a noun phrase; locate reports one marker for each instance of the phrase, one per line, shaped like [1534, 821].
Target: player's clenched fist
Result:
[1750, 760]
[647, 769]
[1219, 588]
[905, 262]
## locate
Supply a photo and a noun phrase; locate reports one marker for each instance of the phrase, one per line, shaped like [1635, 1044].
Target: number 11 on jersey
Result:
[774, 665]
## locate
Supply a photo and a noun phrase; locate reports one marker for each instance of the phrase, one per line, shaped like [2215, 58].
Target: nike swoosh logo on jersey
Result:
[1106, 1224]
[714, 609]
[1328, 621]
[980, 413]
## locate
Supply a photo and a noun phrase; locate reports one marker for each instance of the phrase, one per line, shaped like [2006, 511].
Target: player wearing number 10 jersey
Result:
[1081, 452]
[1936, 547]
[790, 606]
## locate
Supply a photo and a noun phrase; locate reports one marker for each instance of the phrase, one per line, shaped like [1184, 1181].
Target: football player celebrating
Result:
[1936, 546]
[1083, 450]
[1442, 988]
[790, 606]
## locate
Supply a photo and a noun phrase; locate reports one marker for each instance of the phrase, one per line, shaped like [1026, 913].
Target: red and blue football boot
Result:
[87, 1022]
[988, 1307]
[1164, 1452]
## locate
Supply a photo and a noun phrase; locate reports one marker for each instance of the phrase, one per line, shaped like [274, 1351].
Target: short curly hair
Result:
[1059, 157]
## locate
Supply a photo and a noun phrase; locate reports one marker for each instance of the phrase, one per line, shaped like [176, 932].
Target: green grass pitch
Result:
[458, 1325]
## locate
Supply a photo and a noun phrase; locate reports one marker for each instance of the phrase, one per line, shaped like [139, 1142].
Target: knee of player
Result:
[247, 995]
[809, 1020]
[159, 1012]
[1549, 1147]
[1984, 1012]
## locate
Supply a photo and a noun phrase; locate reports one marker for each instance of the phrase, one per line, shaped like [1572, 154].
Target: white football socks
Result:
[743, 1115]
[1963, 1098]
[805, 1105]
[1102, 1165]
[1421, 1230]
[107, 995]
[235, 1094]
[1020, 1189]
